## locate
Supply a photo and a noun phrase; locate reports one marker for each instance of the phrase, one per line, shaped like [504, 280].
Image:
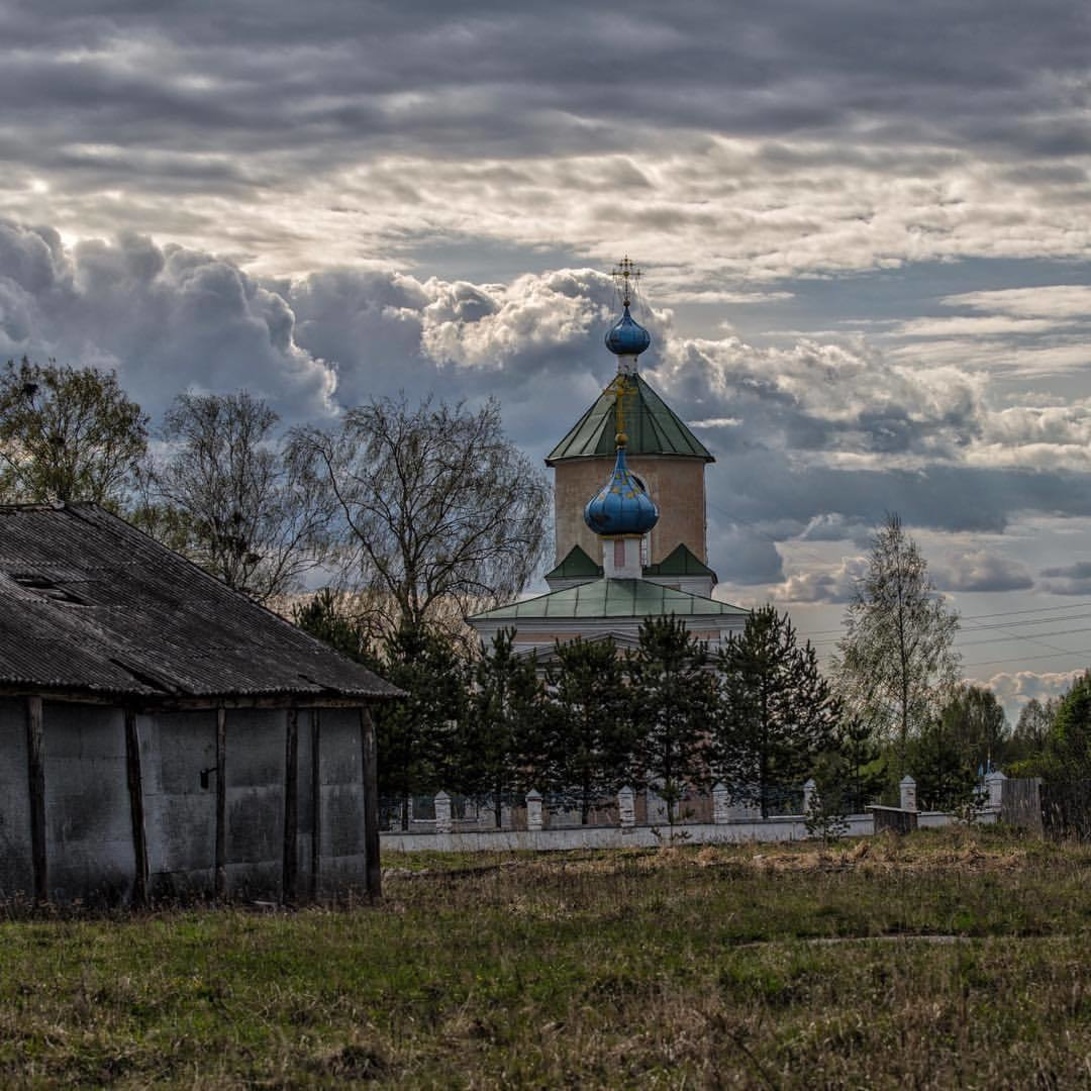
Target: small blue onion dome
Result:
[621, 506]
[627, 337]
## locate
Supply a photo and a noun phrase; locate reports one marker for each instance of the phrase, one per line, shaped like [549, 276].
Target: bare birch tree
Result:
[896, 663]
[225, 495]
[433, 505]
[67, 434]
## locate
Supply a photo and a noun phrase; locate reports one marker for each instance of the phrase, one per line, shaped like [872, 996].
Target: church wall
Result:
[677, 485]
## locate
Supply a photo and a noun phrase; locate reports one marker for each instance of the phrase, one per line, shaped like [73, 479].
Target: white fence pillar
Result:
[626, 805]
[994, 785]
[656, 806]
[721, 811]
[810, 789]
[443, 813]
[534, 809]
[909, 793]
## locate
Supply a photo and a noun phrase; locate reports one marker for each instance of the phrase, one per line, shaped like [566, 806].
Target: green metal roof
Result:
[610, 599]
[651, 425]
[576, 565]
[681, 561]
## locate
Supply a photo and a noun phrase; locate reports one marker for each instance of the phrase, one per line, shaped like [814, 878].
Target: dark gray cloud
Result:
[815, 441]
[278, 88]
[739, 143]
[1072, 579]
[743, 555]
[164, 318]
[877, 58]
[979, 570]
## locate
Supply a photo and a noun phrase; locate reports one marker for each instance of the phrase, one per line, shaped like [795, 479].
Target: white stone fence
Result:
[727, 825]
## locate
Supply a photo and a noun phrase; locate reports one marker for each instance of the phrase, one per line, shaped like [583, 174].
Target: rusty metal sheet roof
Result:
[90, 604]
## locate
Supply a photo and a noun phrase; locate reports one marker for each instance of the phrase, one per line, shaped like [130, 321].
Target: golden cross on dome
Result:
[625, 275]
[619, 386]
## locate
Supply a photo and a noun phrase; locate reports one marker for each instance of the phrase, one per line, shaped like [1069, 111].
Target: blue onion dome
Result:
[627, 337]
[621, 506]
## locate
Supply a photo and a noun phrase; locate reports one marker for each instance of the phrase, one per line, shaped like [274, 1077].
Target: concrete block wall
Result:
[179, 811]
[341, 801]
[16, 866]
[635, 830]
[255, 801]
[89, 841]
[90, 848]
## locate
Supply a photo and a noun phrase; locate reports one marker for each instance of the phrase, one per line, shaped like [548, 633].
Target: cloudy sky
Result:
[864, 226]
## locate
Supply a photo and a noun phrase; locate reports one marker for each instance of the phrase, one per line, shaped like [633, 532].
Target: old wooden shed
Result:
[161, 735]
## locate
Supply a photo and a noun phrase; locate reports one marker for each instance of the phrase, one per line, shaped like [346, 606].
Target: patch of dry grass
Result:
[939, 960]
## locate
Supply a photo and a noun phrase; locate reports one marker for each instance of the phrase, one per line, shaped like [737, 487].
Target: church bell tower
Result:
[664, 457]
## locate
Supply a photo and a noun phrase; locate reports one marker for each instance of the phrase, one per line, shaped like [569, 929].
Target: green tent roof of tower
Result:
[652, 427]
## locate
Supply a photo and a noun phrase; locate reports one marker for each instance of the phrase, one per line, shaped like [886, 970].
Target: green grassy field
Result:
[954, 959]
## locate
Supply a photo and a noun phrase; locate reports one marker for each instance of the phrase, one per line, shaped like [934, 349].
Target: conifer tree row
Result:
[667, 716]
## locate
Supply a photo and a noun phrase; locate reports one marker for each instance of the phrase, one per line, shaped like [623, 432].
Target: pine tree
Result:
[504, 744]
[416, 736]
[778, 713]
[1028, 741]
[674, 702]
[1068, 744]
[946, 781]
[593, 731]
[324, 616]
[976, 722]
[856, 767]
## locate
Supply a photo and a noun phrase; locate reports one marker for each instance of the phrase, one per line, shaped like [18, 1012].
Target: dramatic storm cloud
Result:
[863, 227]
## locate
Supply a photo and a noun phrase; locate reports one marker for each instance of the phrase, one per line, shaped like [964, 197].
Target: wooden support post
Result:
[136, 809]
[373, 874]
[36, 775]
[316, 800]
[290, 863]
[221, 802]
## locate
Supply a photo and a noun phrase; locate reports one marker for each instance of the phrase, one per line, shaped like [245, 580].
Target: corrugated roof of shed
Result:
[88, 603]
